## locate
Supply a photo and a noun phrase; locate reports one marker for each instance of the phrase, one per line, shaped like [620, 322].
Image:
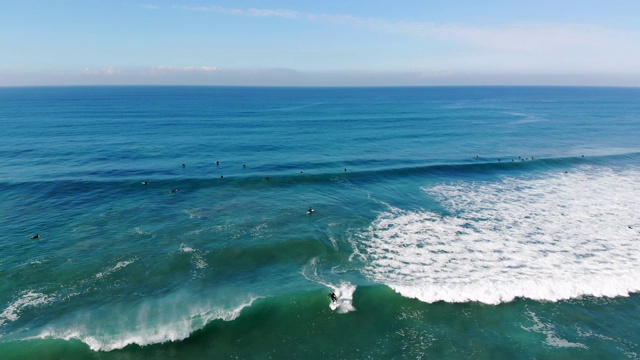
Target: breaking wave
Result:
[155, 321]
[551, 237]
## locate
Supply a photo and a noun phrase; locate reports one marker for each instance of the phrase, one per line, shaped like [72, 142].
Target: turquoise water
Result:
[452, 222]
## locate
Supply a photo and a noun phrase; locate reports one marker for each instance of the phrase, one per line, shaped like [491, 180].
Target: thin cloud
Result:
[150, 6]
[523, 38]
[153, 71]
[289, 14]
[107, 70]
[163, 69]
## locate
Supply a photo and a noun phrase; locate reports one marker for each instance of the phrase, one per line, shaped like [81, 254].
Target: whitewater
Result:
[450, 222]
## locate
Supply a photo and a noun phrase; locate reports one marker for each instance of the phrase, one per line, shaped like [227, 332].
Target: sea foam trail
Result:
[118, 266]
[27, 299]
[344, 291]
[552, 237]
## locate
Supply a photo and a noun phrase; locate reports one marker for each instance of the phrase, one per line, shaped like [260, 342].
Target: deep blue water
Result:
[452, 222]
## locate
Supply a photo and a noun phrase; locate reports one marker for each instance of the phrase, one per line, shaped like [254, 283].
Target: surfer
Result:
[333, 297]
[310, 211]
[174, 191]
[217, 163]
[184, 166]
[145, 182]
[36, 236]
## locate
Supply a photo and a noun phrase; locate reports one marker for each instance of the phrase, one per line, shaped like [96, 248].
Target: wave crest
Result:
[149, 323]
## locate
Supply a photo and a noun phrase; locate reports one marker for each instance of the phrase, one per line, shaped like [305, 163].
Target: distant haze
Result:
[329, 43]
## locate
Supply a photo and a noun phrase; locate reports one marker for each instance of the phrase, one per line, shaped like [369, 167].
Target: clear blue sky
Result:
[286, 42]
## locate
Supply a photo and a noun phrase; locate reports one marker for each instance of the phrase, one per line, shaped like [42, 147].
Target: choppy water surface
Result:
[451, 222]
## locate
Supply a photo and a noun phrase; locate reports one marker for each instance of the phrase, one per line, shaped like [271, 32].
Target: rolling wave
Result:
[173, 318]
[304, 173]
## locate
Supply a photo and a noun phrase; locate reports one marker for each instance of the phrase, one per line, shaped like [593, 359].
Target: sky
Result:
[320, 43]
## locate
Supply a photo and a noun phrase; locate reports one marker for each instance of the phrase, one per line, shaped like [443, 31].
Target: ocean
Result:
[450, 222]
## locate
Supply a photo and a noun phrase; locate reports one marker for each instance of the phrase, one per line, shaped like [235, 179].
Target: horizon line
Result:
[317, 86]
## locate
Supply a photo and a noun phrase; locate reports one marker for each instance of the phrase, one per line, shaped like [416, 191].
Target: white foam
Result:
[197, 258]
[186, 249]
[150, 323]
[199, 262]
[525, 118]
[310, 271]
[333, 226]
[27, 299]
[139, 231]
[552, 338]
[554, 237]
[259, 230]
[344, 293]
[118, 266]
[194, 213]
